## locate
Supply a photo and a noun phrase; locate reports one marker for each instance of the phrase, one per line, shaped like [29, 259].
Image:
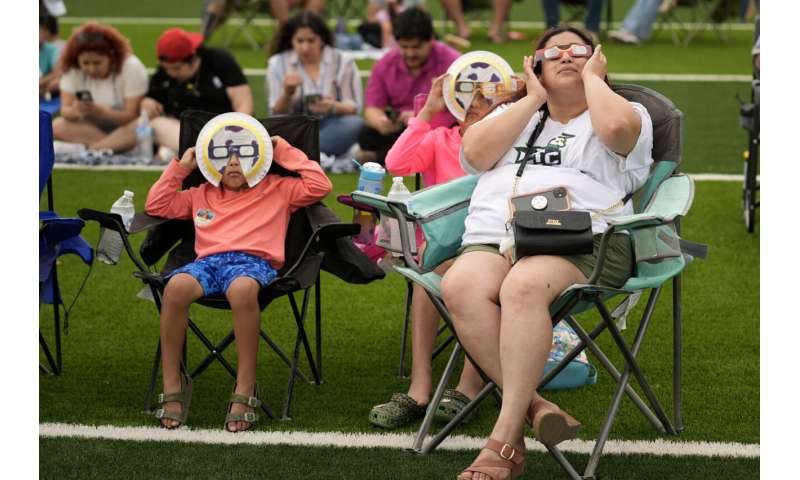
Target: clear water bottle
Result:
[144, 139]
[390, 227]
[109, 248]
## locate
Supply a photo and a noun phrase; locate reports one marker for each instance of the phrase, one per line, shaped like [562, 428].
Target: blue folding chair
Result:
[57, 236]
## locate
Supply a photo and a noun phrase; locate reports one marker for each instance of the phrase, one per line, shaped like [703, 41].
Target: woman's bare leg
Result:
[455, 11]
[166, 132]
[242, 295]
[525, 338]
[122, 139]
[77, 132]
[180, 292]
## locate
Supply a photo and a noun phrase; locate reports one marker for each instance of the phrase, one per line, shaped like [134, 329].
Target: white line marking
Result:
[698, 177]
[389, 440]
[265, 22]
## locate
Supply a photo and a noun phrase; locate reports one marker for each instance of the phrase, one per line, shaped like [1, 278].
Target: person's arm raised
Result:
[613, 118]
[485, 142]
[241, 98]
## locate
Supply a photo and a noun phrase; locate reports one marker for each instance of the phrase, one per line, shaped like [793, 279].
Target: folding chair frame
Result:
[156, 284]
[573, 301]
[701, 14]
[54, 364]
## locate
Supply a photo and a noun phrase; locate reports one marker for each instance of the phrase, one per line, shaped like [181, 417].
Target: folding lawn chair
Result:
[660, 256]
[703, 14]
[57, 236]
[312, 231]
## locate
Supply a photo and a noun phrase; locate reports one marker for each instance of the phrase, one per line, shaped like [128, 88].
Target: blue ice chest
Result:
[371, 179]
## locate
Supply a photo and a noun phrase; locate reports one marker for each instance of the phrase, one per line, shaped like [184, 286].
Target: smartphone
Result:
[84, 95]
[392, 114]
[555, 200]
[313, 98]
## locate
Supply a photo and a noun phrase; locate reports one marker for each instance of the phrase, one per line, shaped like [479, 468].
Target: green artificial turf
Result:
[112, 337]
[152, 460]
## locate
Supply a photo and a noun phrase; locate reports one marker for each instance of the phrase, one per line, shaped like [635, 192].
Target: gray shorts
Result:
[617, 269]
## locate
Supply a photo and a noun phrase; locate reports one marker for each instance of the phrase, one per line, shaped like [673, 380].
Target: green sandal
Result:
[452, 403]
[249, 417]
[185, 399]
[401, 410]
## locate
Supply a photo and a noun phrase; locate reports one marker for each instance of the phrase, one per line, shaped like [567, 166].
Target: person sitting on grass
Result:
[101, 89]
[240, 232]
[434, 153]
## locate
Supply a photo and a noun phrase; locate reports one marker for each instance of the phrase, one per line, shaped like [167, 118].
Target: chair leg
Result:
[677, 346]
[401, 369]
[53, 370]
[318, 324]
[279, 351]
[301, 338]
[563, 462]
[436, 398]
[151, 389]
[215, 352]
[456, 421]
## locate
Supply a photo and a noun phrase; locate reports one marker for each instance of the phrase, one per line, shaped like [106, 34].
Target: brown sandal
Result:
[551, 425]
[510, 458]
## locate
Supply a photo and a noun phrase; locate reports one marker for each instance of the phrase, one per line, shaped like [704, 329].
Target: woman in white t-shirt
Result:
[598, 146]
[101, 89]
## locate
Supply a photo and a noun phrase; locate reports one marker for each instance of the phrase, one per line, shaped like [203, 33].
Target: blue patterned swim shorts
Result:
[215, 273]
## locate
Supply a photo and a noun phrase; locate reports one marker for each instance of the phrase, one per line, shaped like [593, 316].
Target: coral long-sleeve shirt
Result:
[432, 152]
[253, 220]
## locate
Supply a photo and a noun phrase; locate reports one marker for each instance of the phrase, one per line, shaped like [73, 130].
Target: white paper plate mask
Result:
[476, 71]
[231, 133]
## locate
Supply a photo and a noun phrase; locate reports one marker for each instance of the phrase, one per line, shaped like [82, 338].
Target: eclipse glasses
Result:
[558, 51]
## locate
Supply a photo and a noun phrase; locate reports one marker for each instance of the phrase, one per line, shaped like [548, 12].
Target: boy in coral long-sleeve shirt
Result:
[240, 233]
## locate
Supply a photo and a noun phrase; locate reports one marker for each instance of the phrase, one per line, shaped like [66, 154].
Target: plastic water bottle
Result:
[110, 246]
[144, 139]
[371, 178]
[391, 226]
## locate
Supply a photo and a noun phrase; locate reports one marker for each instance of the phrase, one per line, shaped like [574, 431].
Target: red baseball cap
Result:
[177, 44]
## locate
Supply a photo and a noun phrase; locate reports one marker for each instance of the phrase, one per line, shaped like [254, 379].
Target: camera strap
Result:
[534, 135]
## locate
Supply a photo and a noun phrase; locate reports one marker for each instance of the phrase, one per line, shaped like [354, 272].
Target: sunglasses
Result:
[223, 152]
[555, 53]
[84, 37]
[486, 88]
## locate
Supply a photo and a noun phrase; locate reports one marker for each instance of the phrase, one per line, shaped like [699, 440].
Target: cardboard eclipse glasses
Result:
[558, 51]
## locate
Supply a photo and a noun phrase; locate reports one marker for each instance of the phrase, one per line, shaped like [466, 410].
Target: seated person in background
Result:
[240, 232]
[215, 12]
[433, 152]
[306, 74]
[191, 76]
[403, 73]
[49, 49]
[594, 10]
[101, 89]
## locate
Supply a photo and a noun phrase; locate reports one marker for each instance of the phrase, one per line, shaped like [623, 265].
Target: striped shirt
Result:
[338, 78]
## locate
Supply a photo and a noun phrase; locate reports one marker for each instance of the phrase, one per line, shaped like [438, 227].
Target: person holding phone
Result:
[306, 74]
[398, 77]
[594, 144]
[101, 89]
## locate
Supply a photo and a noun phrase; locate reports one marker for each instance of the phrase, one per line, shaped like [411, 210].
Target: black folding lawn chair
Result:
[312, 231]
[750, 120]
[661, 256]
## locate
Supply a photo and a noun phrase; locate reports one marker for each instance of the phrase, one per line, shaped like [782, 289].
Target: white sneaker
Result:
[624, 36]
[165, 154]
[326, 161]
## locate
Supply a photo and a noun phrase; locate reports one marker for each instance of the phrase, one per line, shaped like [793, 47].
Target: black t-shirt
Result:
[205, 91]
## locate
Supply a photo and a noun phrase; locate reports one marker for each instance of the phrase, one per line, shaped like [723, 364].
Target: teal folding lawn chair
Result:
[661, 256]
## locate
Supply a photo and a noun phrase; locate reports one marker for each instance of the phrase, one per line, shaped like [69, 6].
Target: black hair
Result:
[198, 52]
[305, 19]
[553, 31]
[413, 24]
[50, 23]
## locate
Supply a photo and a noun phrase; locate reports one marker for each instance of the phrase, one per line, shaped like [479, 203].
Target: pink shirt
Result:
[253, 220]
[432, 152]
[391, 83]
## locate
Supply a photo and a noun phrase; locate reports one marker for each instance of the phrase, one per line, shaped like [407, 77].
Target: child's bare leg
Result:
[243, 297]
[179, 293]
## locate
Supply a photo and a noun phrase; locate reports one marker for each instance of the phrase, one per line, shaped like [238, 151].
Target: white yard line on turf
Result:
[390, 440]
[264, 22]
[699, 177]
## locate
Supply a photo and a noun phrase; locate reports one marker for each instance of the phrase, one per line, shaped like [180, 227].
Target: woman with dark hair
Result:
[595, 146]
[306, 74]
[101, 89]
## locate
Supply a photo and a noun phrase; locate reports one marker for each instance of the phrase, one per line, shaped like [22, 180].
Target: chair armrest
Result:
[142, 221]
[381, 203]
[673, 199]
[113, 222]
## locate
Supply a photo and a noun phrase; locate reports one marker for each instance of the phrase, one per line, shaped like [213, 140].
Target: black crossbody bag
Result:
[542, 232]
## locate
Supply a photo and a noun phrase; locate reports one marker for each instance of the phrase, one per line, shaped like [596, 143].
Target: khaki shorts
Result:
[617, 269]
